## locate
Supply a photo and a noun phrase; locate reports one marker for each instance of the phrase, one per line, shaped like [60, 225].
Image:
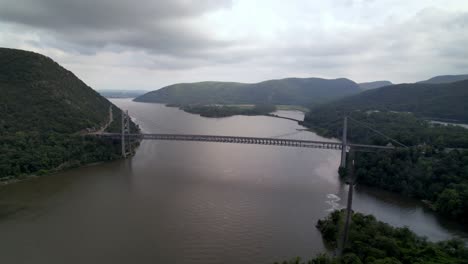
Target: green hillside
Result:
[439, 101]
[44, 110]
[39, 95]
[290, 91]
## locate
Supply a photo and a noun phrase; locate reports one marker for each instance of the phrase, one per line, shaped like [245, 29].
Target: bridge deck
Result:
[243, 140]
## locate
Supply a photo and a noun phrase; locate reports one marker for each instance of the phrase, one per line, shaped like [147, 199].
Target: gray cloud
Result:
[360, 39]
[103, 14]
[161, 26]
[432, 42]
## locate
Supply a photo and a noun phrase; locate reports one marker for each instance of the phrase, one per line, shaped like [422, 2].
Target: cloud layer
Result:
[148, 44]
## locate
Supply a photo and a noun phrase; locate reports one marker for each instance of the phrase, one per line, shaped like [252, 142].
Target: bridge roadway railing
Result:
[232, 139]
[244, 140]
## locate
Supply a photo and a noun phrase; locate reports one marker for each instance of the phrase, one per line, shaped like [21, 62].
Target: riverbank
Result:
[68, 165]
[62, 168]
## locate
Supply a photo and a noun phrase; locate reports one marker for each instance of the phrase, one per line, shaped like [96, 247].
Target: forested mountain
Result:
[291, 91]
[374, 85]
[40, 95]
[447, 101]
[446, 79]
[44, 109]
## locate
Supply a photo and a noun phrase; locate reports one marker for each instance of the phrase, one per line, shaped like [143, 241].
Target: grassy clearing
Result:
[241, 106]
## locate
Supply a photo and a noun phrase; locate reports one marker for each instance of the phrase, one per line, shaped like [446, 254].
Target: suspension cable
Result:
[378, 132]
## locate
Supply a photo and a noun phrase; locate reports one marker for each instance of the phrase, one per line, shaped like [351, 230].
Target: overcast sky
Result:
[147, 44]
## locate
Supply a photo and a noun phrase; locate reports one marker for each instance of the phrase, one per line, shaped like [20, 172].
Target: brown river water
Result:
[194, 202]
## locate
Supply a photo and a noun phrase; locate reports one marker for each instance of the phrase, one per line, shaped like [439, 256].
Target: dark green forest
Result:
[45, 111]
[439, 177]
[434, 167]
[374, 242]
[40, 153]
[290, 91]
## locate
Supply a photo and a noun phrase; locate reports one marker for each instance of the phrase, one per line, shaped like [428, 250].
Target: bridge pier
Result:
[125, 129]
[349, 211]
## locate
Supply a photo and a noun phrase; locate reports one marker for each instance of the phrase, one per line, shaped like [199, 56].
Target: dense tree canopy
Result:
[439, 177]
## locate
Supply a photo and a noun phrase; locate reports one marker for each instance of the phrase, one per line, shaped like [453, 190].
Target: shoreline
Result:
[61, 168]
[53, 171]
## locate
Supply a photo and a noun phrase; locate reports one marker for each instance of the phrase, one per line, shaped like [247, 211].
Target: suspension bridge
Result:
[344, 146]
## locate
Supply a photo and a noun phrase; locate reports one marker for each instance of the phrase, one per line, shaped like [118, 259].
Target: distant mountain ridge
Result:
[446, 79]
[292, 91]
[374, 85]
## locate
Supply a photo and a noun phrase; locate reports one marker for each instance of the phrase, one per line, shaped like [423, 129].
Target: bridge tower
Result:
[125, 130]
[344, 141]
